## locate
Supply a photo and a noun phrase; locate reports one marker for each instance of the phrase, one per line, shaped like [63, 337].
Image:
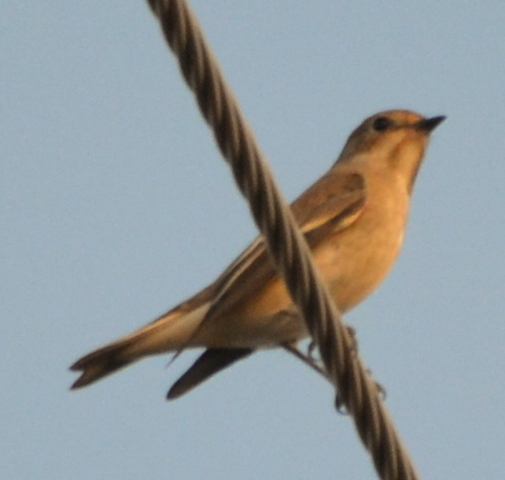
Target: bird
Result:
[353, 219]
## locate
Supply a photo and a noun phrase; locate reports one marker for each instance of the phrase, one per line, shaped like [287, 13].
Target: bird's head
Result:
[394, 139]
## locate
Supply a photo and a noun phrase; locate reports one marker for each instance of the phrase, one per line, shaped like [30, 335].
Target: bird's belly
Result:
[352, 266]
[355, 268]
[266, 318]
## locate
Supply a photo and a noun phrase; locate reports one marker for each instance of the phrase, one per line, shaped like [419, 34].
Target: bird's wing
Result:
[329, 206]
[334, 202]
[212, 361]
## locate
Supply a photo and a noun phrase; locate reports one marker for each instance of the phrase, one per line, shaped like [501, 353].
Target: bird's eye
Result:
[381, 124]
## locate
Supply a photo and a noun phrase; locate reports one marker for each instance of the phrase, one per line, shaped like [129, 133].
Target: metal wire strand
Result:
[344, 366]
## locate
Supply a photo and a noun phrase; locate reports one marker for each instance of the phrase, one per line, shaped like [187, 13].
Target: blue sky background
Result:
[115, 205]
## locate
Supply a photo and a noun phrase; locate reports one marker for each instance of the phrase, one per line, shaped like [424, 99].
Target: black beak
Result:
[429, 124]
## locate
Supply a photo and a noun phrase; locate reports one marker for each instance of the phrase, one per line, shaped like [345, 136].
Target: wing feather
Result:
[330, 205]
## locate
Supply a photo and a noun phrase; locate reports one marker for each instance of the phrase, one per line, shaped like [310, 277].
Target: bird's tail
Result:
[171, 332]
[102, 362]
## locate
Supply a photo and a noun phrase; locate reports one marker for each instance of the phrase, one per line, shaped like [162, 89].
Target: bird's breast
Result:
[355, 261]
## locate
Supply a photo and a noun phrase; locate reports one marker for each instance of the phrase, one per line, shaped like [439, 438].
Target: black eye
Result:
[381, 124]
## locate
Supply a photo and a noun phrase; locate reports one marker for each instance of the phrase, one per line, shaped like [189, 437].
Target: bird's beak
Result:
[429, 124]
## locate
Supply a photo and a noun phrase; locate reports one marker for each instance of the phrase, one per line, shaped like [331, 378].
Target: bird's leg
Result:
[306, 358]
[310, 360]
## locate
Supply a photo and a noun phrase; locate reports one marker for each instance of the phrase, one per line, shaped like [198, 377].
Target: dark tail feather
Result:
[213, 360]
[100, 363]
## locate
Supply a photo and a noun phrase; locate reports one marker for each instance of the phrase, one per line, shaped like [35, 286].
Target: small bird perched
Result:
[353, 219]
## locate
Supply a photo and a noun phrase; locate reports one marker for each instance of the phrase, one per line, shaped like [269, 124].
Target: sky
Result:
[115, 205]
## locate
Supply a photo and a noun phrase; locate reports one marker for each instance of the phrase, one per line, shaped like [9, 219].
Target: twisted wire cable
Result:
[344, 367]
